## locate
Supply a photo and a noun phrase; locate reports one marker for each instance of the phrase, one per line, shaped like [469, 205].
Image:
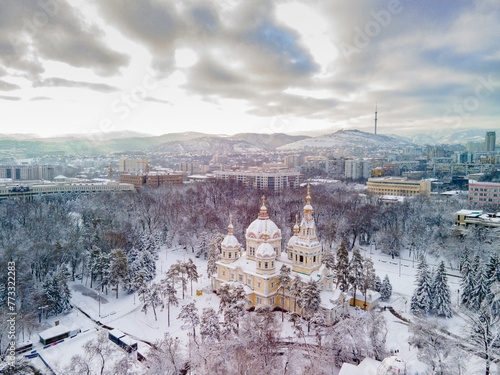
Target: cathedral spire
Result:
[263, 209]
[308, 208]
[230, 226]
[296, 227]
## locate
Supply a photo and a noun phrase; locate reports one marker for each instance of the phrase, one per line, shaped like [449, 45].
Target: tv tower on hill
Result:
[375, 118]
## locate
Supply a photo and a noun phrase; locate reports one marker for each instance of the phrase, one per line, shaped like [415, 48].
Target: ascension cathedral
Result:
[257, 266]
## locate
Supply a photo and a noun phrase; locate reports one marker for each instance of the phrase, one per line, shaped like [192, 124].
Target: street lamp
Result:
[99, 298]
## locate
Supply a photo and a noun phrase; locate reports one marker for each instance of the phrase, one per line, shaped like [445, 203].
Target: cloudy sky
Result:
[229, 66]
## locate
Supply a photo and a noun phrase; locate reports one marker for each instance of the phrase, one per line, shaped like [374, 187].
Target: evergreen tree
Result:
[493, 272]
[209, 325]
[378, 284]
[191, 272]
[190, 318]
[118, 268]
[441, 302]
[386, 289]
[311, 300]
[481, 288]
[329, 260]
[151, 297]
[368, 277]
[213, 254]
[467, 282]
[56, 292]
[356, 272]
[284, 284]
[421, 300]
[342, 267]
[296, 291]
[169, 294]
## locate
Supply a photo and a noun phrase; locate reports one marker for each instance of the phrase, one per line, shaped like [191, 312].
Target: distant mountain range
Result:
[347, 139]
[25, 145]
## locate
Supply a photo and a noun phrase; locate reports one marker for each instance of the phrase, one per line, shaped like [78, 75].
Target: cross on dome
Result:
[230, 226]
[263, 209]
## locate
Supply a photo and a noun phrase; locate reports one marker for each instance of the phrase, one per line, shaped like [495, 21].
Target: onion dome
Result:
[263, 225]
[230, 242]
[265, 251]
[296, 230]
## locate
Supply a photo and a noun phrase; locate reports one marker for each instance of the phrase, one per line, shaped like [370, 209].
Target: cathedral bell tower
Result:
[306, 250]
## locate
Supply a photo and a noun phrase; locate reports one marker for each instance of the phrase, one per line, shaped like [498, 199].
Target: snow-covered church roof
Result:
[263, 226]
[265, 250]
[230, 241]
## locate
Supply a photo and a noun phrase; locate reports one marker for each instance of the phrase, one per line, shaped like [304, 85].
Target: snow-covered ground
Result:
[125, 312]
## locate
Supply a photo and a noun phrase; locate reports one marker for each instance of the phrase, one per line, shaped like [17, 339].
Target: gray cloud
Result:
[38, 98]
[7, 86]
[61, 82]
[32, 30]
[11, 98]
[156, 100]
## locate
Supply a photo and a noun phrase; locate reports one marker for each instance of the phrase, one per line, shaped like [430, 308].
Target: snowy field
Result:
[125, 312]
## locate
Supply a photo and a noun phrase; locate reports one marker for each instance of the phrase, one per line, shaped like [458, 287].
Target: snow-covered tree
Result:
[329, 259]
[209, 325]
[296, 291]
[342, 267]
[356, 272]
[368, 277]
[310, 300]
[191, 272]
[190, 318]
[168, 293]
[441, 298]
[484, 334]
[284, 284]
[421, 300]
[434, 348]
[177, 273]
[468, 281]
[386, 289]
[151, 297]
[378, 284]
[118, 269]
[214, 253]
[480, 285]
[56, 293]
[165, 357]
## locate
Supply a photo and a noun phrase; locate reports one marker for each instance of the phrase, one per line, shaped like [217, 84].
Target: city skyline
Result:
[231, 66]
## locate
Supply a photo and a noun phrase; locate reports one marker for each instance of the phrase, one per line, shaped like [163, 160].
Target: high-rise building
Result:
[133, 166]
[355, 169]
[490, 141]
[28, 172]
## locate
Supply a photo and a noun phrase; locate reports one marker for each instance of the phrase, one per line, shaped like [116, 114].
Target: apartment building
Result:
[484, 193]
[272, 180]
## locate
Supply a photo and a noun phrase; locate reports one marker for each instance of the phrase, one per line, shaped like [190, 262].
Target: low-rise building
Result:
[398, 186]
[152, 179]
[466, 218]
[40, 188]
